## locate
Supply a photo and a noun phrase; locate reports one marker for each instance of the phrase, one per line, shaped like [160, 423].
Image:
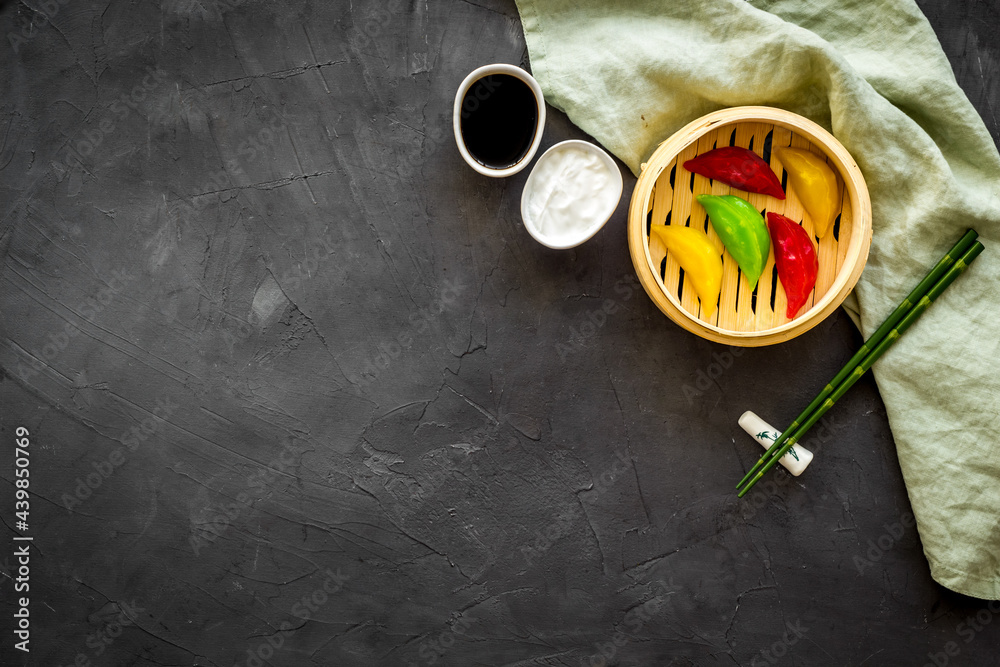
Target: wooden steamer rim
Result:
[860, 224]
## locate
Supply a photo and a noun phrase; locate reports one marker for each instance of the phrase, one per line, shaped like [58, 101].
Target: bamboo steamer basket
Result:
[665, 194]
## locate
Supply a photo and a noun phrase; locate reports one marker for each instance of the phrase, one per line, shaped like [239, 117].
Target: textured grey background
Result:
[329, 393]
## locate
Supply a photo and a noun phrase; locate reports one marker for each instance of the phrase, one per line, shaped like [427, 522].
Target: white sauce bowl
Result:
[570, 194]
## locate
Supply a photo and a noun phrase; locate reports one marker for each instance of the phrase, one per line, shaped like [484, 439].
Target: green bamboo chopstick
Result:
[901, 310]
[957, 269]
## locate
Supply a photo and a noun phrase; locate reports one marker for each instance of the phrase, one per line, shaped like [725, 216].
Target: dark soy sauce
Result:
[499, 119]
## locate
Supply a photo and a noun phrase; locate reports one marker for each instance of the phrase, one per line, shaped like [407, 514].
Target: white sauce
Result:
[570, 194]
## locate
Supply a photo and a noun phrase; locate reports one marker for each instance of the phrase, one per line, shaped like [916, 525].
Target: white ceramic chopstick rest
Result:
[795, 460]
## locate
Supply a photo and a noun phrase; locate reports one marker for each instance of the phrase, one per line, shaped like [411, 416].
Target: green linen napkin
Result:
[872, 72]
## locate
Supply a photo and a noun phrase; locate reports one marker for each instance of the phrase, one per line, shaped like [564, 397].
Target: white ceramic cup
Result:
[475, 75]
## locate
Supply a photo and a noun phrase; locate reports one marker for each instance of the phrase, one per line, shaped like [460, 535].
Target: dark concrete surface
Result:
[301, 390]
